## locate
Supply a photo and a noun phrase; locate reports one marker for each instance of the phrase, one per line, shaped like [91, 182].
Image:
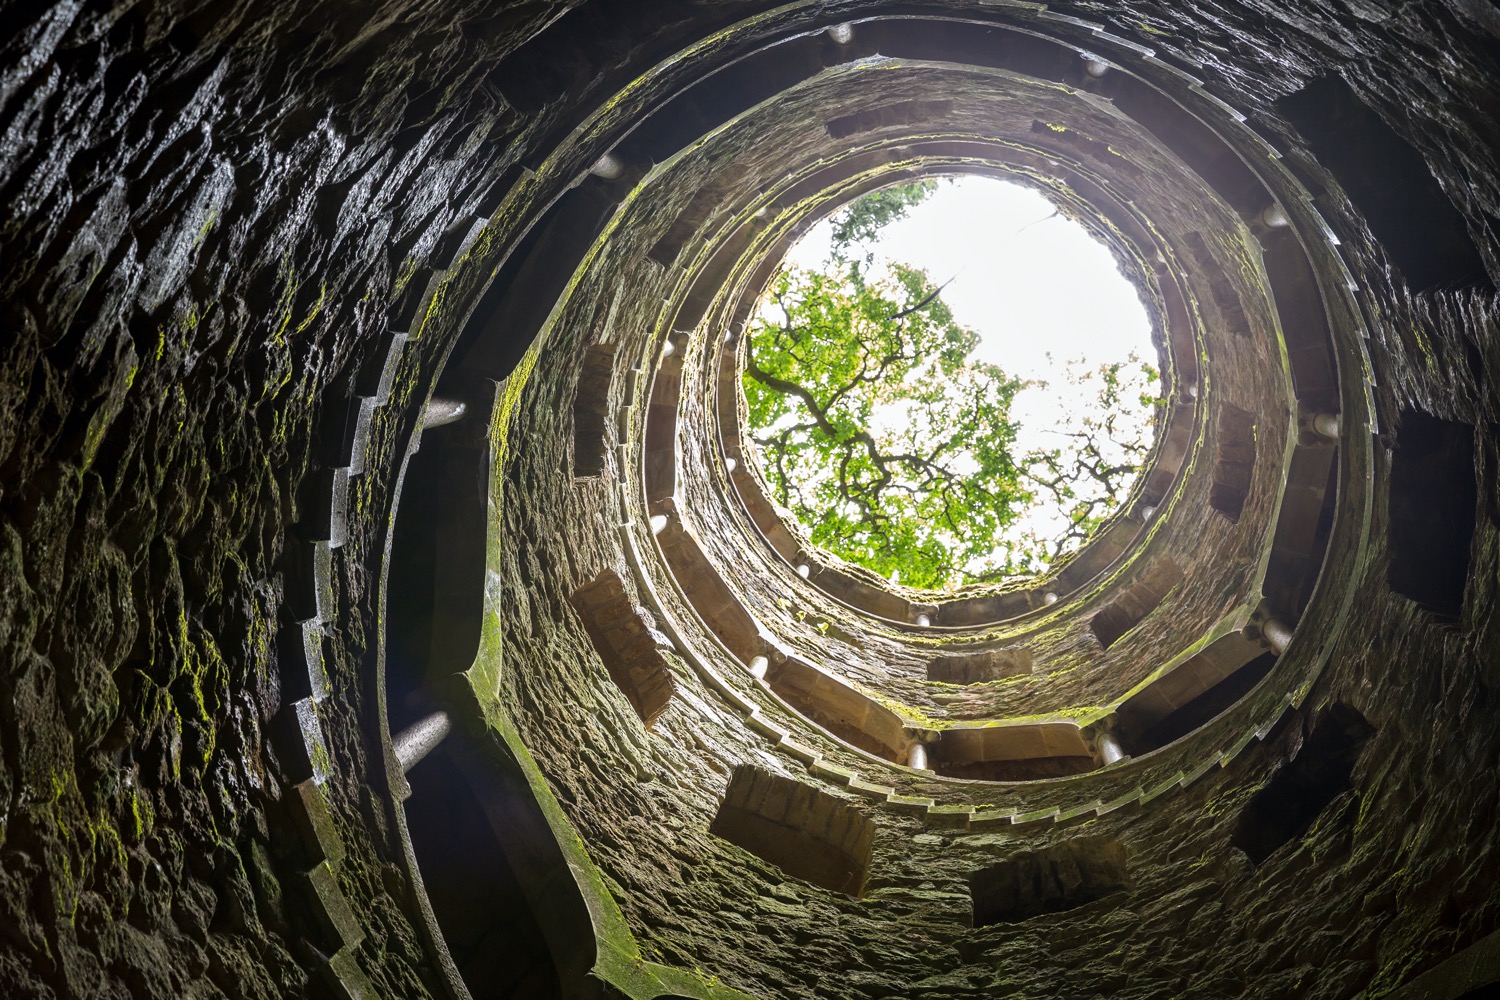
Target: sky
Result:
[1036, 287]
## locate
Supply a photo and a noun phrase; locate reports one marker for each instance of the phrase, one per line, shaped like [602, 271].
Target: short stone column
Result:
[420, 738]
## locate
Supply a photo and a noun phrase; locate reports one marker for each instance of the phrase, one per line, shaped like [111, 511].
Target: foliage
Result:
[894, 447]
[1088, 474]
[865, 217]
[878, 431]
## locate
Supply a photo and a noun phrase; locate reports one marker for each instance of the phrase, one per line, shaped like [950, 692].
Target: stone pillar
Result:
[420, 738]
[440, 412]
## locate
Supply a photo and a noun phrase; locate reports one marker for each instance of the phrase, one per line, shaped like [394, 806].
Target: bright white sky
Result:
[1038, 289]
[1036, 286]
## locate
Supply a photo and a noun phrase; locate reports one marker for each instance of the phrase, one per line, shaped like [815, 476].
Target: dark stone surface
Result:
[215, 216]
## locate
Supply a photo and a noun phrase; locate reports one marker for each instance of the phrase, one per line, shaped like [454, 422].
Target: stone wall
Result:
[241, 246]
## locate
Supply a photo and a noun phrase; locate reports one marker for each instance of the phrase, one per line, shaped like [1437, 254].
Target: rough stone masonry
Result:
[243, 244]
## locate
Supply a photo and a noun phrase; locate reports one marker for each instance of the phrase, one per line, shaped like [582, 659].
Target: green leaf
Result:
[893, 446]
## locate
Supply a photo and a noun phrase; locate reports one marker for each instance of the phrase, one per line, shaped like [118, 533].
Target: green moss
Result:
[618, 961]
[317, 308]
[207, 227]
[916, 717]
[142, 816]
[909, 714]
[434, 310]
[196, 689]
[404, 275]
[279, 364]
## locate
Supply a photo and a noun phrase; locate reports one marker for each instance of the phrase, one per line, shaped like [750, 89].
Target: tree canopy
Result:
[862, 221]
[892, 445]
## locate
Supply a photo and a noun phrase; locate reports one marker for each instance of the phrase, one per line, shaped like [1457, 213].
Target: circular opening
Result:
[950, 382]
